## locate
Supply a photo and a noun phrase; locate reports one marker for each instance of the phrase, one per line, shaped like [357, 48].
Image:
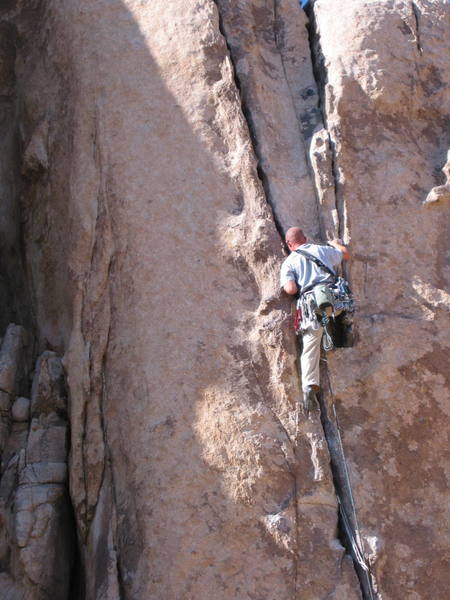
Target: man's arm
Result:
[339, 246]
[287, 278]
[290, 287]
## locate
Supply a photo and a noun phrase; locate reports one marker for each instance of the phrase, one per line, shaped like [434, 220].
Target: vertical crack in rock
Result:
[95, 328]
[339, 202]
[173, 98]
[251, 127]
[309, 124]
[416, 14]
[280, 227]
[336, 458]
[349, 533]
[335, 229]
[319, 71]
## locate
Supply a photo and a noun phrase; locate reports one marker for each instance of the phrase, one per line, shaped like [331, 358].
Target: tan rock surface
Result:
[269, 46]
[146, 197]
[185, 445]
[387, 104]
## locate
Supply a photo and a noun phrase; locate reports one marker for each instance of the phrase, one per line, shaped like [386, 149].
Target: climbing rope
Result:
[354, 537]
[348, 530]
[346, 473]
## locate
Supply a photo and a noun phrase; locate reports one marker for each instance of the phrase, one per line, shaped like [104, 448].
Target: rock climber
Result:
[297, 274]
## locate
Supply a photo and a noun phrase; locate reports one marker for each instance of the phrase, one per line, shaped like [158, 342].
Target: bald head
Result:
[295, 238]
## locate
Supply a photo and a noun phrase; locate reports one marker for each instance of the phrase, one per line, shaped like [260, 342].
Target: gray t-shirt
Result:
[304, 272]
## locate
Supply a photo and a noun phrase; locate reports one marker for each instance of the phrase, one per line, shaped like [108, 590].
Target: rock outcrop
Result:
[157, 153]
[37, 536]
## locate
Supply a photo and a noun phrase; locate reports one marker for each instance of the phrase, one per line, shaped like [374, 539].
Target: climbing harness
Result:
[319, 304]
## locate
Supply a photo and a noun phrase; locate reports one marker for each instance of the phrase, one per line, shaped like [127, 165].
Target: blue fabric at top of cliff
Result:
[304, 2]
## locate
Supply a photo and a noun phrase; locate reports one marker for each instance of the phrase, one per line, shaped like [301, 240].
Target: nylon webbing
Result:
[320, 264]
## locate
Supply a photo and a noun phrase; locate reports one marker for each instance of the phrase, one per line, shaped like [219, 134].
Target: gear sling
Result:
[320, 303]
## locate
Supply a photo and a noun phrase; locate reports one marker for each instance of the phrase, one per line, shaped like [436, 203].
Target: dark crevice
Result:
[318, 70]
[342, 331]
[337, 188]
[120, 581]
[15, 302]
[416, 13]
[121, 535]
[77, 579]
[317, 58]
[320, 76]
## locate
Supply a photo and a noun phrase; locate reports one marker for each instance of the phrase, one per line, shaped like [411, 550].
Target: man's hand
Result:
[340, 246]
[290, 287]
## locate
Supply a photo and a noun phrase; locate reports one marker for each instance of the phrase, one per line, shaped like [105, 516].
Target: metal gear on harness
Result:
[327, 339]
[319, 304]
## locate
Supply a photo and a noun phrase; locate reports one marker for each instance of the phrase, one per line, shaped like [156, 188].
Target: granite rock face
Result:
[161, 149]
[385, 84]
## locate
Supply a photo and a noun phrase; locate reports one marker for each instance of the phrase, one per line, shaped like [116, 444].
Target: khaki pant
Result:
[310, 358]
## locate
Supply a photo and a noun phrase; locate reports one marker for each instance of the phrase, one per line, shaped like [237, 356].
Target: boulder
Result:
[20, 410]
